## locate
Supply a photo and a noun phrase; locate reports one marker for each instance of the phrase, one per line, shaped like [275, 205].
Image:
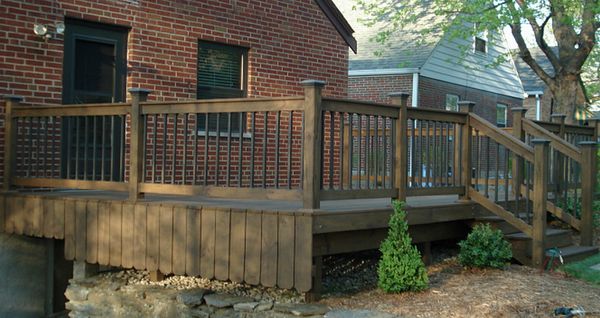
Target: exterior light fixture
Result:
[49, 31]
[40, 29]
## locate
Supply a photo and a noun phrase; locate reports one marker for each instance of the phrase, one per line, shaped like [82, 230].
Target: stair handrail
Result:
[556, 142]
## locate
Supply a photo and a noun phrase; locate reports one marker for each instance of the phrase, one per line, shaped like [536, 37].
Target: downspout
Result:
[415, 90]
[538, 107]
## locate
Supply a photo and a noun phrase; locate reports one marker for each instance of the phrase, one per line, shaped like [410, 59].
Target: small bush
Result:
[484, 247]
[400, 268]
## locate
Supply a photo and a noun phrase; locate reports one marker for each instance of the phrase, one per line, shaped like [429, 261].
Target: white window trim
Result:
[505, 123]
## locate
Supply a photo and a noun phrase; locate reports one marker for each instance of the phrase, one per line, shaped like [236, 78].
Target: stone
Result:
[595, 267]
[358, 314]
[225, 301]
[264, 306]
[302, 309]
[77, 293]
[247, 307]
[192, 297]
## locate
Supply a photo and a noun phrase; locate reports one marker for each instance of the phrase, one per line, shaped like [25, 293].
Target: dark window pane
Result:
[480, 45]
[94, 67]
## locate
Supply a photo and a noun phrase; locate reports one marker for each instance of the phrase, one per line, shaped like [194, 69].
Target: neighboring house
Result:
[539, 101]
[433, 68]
[67, 51]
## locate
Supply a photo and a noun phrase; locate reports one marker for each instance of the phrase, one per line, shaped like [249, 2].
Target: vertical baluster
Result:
[228, 169]
[252, 146]
[164, 148]
[77, 146]
[479, 158]
[413, 152]
[576, 186]
[384, 140]
[376, 151]
[240, 146]
[174, 149]
[154, 145]
[195, 155]
[302, 149]
[342, 150]
[264, 149]
[277, 138]
[331, 149]
[421, 155]
[206, 137]
[122, 150]
[112, 148]
[427, 153]
[351, 150]
[435, 154]
[185, 148]
[487, 167]
[289, 150]
[144, 147]
[360, 158]
[102, 149]
[497, 159]
[506, 176]
[217, 149]
[368, 152]
[527, 189]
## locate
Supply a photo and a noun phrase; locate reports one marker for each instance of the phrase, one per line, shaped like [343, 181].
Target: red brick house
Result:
[63, 51]
[164, 45]
[433, 68]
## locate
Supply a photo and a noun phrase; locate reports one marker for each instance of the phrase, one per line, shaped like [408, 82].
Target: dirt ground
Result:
[455, 291]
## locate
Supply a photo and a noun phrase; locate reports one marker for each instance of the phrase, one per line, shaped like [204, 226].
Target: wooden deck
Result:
[271, 243]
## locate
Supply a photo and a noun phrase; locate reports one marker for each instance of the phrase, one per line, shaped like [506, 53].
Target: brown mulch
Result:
[454, 291]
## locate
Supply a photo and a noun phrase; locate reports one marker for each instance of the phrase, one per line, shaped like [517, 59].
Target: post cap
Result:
[141, 91]
[589, 143]
[466, 106]
[399, 94]
[518, 109]
[12, 98]
[315, 83]
[540, 141]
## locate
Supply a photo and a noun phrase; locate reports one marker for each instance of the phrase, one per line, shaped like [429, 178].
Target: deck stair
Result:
[522, 244]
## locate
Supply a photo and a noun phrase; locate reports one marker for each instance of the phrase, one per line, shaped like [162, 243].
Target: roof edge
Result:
[339, 22]
[383, 71]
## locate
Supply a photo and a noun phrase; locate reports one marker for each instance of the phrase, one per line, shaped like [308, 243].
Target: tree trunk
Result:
[568, 95]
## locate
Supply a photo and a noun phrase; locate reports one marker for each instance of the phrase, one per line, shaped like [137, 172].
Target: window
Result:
[480, 43]
[452, 102]
[501, 115]
[222, 73]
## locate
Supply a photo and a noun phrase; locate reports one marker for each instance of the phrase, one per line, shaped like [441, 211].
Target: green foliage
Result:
[400, 268]
[582, 269]
[484, 247]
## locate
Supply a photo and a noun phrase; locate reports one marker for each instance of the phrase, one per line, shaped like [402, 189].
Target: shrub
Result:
[484, 247]
[400, 268]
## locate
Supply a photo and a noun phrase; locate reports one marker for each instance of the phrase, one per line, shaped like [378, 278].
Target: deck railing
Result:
[305, 148]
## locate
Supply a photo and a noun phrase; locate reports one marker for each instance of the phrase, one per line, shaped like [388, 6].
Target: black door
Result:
[94, 71]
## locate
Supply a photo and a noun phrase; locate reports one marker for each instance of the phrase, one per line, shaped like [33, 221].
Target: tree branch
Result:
[525, 54]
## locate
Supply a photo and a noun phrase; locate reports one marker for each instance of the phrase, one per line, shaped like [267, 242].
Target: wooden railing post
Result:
[137, 139]
[401, 145]
[313, 114]
[540, 195]
[588, 189]
[559, 119]
[595, 123]
[518, 164]
[10, 128]
[466, 144]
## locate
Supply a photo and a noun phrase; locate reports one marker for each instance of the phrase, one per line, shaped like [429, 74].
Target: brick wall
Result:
[289, 41]
[432, 93]
[377, 88]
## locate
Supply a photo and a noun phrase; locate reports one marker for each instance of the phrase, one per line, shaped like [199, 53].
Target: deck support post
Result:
[83, 270]
[541, 149]
[317, 281]
[400, 145]
[10, 129]
[137, 140]
[466, 144]
[313, 129]
[588, 187]
[518, 114]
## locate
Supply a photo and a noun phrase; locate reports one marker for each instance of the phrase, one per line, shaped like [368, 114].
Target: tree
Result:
[572, 24]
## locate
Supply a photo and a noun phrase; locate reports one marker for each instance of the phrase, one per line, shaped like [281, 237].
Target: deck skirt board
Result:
[256, 246]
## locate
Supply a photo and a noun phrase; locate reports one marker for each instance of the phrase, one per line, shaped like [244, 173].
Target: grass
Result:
[583, 271]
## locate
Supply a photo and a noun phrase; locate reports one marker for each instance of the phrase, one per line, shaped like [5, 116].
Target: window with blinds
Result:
[222, 73]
